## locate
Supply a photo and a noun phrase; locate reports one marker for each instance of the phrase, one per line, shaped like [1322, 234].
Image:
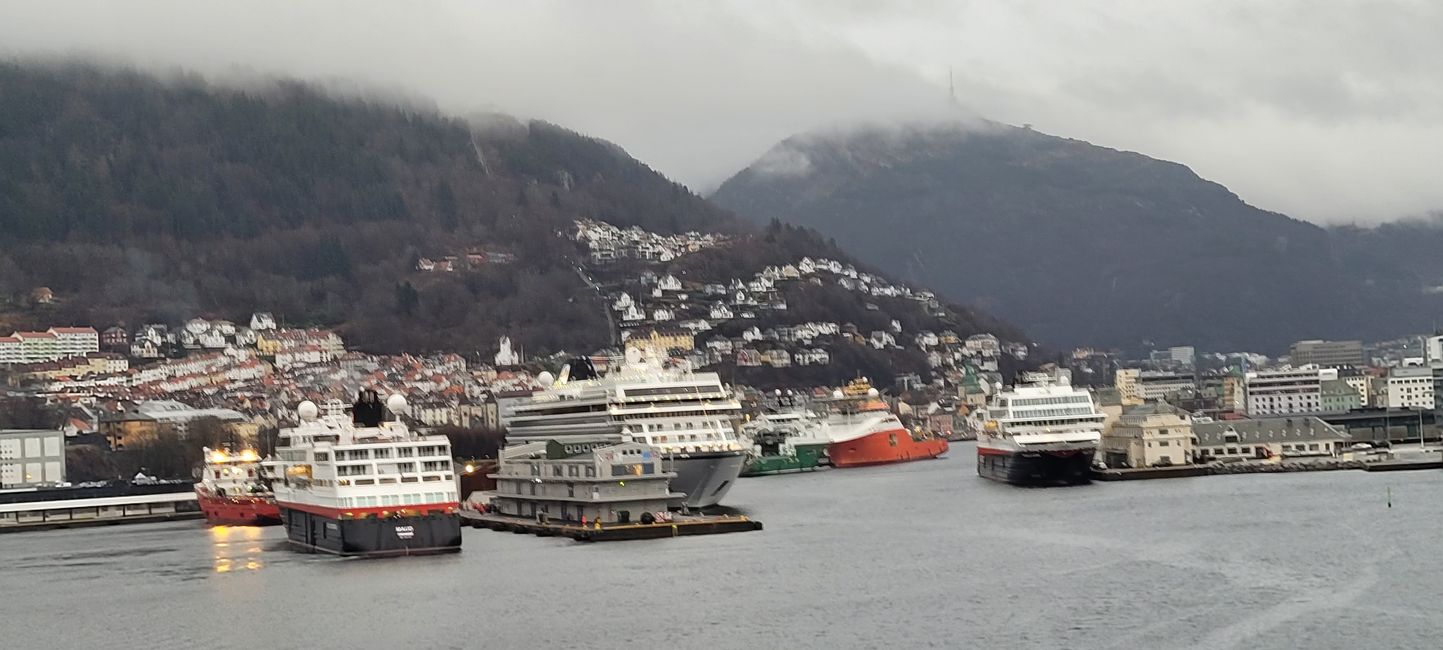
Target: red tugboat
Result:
[231, 492]
[863, 431]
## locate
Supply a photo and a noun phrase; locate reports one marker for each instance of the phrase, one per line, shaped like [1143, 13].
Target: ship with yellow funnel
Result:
[863, 431]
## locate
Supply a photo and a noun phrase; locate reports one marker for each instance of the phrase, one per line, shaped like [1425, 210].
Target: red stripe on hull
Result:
[988, 451]
[884, 447]
[379, 511]
[238, 511]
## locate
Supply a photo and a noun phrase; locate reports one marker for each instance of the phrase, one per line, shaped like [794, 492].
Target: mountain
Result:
[135, 199]
[1084, 245]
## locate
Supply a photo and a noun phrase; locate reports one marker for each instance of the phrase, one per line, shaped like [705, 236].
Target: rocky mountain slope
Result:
[1080, 244]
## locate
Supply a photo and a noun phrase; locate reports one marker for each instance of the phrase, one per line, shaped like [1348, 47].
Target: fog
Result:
[1330, 112]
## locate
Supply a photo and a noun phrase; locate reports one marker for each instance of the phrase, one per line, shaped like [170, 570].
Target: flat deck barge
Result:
[680, 526]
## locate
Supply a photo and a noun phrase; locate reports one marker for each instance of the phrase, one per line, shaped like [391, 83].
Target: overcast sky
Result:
[1328, 110]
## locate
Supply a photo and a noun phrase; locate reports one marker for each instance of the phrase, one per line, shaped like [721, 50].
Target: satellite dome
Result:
[872, 392]
[308, 410]
[545, 379]
[396, 403]
[837, 394]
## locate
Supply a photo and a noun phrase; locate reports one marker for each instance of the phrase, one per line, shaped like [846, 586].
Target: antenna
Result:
[951, 87]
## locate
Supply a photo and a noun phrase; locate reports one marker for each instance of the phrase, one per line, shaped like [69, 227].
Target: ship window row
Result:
[385, 453]
[1036, 413]
[633, 469]
[685, 438]
[676, 426]
[397, 468]
[1039, 401]
[670, 390]
[672, 415]
[569, 410]
[394, 500]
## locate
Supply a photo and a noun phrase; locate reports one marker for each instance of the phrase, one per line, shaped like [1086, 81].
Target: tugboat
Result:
[231, 492]
[361, 486]
[1042, 432]
[864, 432]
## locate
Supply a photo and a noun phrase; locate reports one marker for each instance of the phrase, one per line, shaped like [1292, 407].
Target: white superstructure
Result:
[674, 411]
[330, 467]
[1042, 416]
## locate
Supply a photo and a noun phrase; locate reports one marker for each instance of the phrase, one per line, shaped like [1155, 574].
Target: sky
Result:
[1329, 111]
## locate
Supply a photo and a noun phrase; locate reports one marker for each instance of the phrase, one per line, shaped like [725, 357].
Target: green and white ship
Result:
[792, 440]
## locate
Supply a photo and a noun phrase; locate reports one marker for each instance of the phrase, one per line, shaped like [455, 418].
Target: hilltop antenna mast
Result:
[951, 87]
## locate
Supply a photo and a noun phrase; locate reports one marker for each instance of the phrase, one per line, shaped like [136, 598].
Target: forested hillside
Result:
[136, 200]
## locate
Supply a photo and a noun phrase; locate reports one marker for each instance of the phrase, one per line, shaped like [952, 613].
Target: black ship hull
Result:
[372, 536]
[1035, 468]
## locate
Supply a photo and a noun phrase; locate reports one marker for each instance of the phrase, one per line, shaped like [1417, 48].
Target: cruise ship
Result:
[1042, 432]
[690, 418]
[364, 488]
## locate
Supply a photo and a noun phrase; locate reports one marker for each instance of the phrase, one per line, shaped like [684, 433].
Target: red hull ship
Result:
[864, 432]
[231, 493]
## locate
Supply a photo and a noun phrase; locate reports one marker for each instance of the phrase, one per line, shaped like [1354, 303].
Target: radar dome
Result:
[396, 404]
[837, 394]
[308, 410]
[633, 356]
[872, 392]
[545, 379]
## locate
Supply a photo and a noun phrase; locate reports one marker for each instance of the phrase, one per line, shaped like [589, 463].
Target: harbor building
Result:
[613, 483]
[1155, 385]
[31, 458]
[1151, 435]
[1408, 388]
[1339, 397]
[1327, 354]
[1286, 392]
[1268, 438]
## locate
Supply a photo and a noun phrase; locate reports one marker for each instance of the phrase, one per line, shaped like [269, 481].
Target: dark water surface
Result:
[918, 555]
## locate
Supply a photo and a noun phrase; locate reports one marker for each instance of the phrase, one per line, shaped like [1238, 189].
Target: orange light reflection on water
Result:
[236, 548]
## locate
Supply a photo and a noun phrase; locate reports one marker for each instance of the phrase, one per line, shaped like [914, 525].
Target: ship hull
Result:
[883, 448]
[238, 511]
[1036, 468]
[372, 536]
[705, 478]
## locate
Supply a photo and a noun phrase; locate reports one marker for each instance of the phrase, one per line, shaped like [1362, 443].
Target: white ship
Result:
[364, 488]
[689, 418]
[1042, 432]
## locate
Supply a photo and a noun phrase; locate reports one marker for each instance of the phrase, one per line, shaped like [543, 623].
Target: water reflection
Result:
[236, 548]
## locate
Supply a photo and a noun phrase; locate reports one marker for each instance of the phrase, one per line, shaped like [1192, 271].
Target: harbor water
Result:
[924, 554]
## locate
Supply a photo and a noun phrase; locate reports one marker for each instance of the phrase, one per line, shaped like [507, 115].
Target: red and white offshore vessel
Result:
[863, 431]
[364, 489]
[231, 492]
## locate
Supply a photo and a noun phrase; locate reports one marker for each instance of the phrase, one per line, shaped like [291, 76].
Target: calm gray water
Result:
[919, 555]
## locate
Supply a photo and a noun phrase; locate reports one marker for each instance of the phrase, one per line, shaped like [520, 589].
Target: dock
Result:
[680, 526]
[1403, 465]
[1176, 471]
